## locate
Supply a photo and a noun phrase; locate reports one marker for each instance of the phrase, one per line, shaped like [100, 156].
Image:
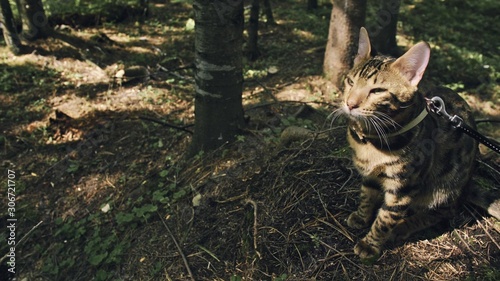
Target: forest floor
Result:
[104, 192]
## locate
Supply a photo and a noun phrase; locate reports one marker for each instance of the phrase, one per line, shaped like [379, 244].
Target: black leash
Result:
[436, 106]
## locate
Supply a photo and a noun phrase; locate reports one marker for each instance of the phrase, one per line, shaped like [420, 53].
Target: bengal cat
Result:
[414, 165]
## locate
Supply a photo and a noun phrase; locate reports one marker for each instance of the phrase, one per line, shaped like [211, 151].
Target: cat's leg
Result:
[390, 214]
[421, 221]
[370, 199]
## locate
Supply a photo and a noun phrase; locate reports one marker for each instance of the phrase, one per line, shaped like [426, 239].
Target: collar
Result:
[404, 129]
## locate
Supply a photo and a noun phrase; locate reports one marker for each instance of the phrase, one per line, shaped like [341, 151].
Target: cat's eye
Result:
[349, 81]
[377, 90]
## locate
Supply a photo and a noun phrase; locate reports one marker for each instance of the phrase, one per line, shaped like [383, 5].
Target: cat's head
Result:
[381, 87]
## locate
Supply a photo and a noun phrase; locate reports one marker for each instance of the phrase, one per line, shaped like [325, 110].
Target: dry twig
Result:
[483, 227]
[22, 239]
[161, 122]
[255, 230]
[186, 264]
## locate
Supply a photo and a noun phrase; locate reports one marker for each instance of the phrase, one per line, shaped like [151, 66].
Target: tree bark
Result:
[312, 4]
[35, 23]
[253, 31]
[268, 10]
[384, 32]
[219, 74]
[144, 5]
[9, 28]
[347, 17]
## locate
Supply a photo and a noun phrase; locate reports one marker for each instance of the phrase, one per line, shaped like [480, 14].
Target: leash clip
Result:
[436, 106]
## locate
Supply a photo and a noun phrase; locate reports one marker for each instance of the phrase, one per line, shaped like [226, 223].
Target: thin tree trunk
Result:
[9, 28]
[219, 74]
[35, 23]
[347, 17]
[268, 10]
[253, 31]
[312, 4]
[384, 33]
[144, 5]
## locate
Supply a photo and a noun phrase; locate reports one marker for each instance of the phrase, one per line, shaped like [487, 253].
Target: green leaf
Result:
[58, 221]
[97, 259]
[282, 277]
[124, 218]
[114, 256]
[148, 208]
[73, 167]
[179, 194]
[101, 275]
[235, 278]
[159, 196]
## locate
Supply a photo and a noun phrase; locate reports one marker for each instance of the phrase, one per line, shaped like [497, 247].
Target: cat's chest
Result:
[371, 161]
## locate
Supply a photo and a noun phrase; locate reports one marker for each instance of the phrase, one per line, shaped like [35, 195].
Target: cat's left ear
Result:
[364, 47]
[413, 63]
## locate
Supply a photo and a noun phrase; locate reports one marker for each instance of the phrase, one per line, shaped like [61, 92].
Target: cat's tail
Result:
[485, 195]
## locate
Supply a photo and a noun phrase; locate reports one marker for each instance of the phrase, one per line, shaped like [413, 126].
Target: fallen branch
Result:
[21, 240]
[280, 102]
[255, 224]
[181, 253]
[164, 69]
[161, 122]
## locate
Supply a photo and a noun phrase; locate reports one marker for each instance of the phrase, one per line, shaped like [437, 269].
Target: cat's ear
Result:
[413, 63]
[364, 47]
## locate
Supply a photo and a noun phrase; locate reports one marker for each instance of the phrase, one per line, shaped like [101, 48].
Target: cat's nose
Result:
[352, 105]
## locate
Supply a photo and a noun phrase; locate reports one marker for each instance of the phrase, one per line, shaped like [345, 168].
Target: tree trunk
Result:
[35, 23]
[253, 31]
[384, 32]
[144, 5]
[9, 28]
[219, 74]
[268, 10]
[348, 16]
[312, 4]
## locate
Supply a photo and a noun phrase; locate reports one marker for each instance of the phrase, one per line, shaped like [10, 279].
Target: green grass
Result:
[82, 6]
[464, 36]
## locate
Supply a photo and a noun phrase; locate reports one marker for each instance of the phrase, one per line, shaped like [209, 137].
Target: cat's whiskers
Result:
[335, 115]
[383, 121]
[365, 121]
[386, 119]
[379, 128]
[380, 122]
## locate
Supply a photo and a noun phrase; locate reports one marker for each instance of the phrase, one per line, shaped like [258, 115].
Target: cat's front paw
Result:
[367, 253]
[400, 233]
[355, 220]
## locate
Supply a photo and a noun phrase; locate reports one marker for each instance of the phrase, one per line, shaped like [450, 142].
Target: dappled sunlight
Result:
[88, 189]
[489, 108]
[305, 35]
